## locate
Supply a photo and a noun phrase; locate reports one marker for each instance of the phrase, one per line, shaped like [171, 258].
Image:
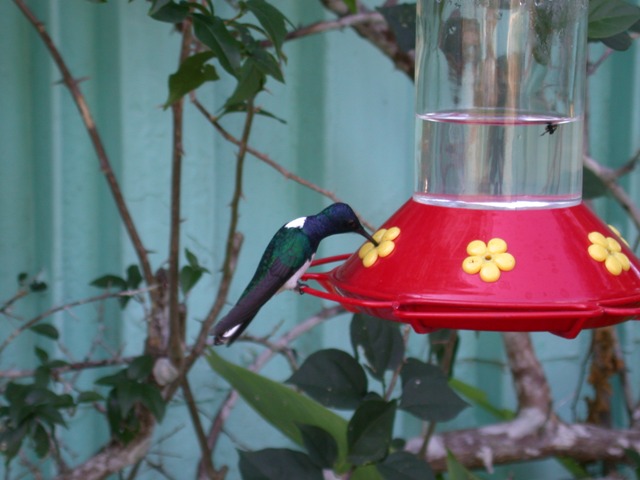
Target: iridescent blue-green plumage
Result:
[286, 258]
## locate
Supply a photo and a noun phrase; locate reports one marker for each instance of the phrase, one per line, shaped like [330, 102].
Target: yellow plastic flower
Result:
[608, 250]
[369, 253]
[617, 232]
[488, 259]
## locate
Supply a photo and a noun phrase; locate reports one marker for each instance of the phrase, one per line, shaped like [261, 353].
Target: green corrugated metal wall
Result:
[349, 128]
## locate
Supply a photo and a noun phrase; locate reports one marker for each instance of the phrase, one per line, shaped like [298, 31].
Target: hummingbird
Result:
[285, 260]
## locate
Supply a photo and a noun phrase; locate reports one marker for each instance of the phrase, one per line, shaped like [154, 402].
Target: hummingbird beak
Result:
[366, 235]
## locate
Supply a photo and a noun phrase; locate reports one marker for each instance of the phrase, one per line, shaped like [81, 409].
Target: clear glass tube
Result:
[500, 102]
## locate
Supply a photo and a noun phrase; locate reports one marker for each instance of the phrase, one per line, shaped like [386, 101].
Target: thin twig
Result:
[621, 196]
[234, 241]
[176, 330]
[396, 372]
[105, 165]
[329, 25]
[67, 306]
[23, 292]
[190, 401]
[269, 161]
[78, 366]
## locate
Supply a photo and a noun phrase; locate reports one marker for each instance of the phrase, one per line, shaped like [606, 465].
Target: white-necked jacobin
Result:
[285, 260]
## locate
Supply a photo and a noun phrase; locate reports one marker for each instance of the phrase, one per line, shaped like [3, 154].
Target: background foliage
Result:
[105, 332]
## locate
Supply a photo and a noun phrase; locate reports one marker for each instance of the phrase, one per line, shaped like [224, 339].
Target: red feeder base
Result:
[560, 282]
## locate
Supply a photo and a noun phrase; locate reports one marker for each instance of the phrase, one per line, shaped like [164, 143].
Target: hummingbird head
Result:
[340, 218]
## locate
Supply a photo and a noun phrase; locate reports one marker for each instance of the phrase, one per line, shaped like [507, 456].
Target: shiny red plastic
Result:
[555, 286]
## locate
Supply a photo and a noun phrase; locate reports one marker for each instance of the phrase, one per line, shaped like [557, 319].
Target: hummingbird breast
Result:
[293, 281]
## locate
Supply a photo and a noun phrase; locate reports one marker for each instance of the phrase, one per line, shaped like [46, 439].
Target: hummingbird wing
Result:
[283, 258]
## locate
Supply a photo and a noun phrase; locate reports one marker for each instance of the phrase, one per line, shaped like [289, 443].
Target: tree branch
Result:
[30, 323]
[269, 161]
[105, 165]
[176, 327]
[378, 33]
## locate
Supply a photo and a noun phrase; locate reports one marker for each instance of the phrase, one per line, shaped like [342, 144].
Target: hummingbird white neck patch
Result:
[297, 223]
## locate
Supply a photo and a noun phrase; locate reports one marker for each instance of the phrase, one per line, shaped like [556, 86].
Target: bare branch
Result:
[105, 165]
[269, 161]
[609, 179]
[378, 33]
[530, 436]
[176, 327]
[30, 323]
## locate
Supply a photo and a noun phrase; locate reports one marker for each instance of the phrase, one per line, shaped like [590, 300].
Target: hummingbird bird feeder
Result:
[495, 236]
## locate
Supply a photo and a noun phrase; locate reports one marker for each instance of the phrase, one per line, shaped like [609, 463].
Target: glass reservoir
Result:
[499, 104]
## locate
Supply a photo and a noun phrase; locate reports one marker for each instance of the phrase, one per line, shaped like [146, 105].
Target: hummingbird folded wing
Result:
[251, 301]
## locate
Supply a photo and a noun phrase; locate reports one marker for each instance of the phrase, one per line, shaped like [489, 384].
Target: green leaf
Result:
[213, 32]
[620, 42]
[266, 63]
[110, 281]
[440, 347]
[405, 466]
[140, 367]
[168, 11]
[42, 355]
[113, 379]
[37, 286]
[381, 342]
[193, 260]
[369, 431]
[479, 397]
[333, 378]
[320, 445]
[402, 22]
[40, 440]
[11, 439]
[351, 5]
[89, 396]
[134, 277]
[250, 82]
[634, 457]
[242, 108]
[592, 185]
[277, 464]
[456, 470]
[189, 276]
[573, 467]
[151, 398]
[46, 330]
[426, 393]
[281, 406]
[610, 17]
[126, 396]
[272, 20]
[192, 73]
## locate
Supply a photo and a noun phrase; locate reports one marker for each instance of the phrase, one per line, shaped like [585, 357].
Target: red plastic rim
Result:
[555, 286]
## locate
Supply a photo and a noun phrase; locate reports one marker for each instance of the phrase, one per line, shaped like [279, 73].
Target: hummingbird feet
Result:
[299, 287]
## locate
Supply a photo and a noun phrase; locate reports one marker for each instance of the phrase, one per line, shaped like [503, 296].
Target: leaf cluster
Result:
[239, 45]
[130, 389]
[32, 411]
[131, 281]
[336, 379]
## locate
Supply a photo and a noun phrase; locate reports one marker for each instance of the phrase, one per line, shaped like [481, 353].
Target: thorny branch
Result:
[268, 160]
[105, 165]
[67, 306]
[534, 433]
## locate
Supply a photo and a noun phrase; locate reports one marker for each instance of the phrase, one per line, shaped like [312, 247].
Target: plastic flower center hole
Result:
[487, 258]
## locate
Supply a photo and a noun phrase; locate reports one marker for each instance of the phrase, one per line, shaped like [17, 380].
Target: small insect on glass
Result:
[550, 128]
